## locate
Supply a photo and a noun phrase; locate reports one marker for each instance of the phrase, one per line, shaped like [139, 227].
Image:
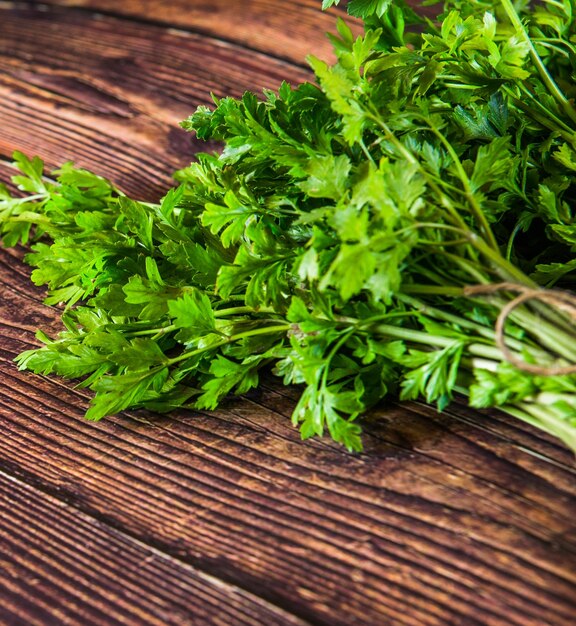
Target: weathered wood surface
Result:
[109, 92]
[50, 551]
[226, 517]
[287, 30]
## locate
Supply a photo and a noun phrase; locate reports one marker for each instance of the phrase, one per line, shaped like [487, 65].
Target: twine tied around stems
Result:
[562, 300]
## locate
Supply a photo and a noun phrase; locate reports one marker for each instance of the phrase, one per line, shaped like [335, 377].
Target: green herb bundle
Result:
[407, 226]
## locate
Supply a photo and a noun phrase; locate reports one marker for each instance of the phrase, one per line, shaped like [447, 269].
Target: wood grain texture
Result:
[465, 518]
[281, 29]
[441, 521]
[109, 93]
[62, 566]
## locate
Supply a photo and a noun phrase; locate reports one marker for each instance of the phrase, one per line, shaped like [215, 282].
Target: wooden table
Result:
[226, 517]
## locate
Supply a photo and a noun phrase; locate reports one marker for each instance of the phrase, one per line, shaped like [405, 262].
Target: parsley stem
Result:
[546, 417]
[269, 330]
[442, 244]
[152, 331]
[434, 226]
[470, 267]
[466, 183]
[439, 290]
[334, 351]
[554, 3]
[239, 310]
[547, 113]
[545, 120]
[552, 423]
[473, 347]
[548, 334]
[459, 322]
[25, 199]
[445, 200]
[548, 43]
[544, 74]
[424, 338]
[366, 152]
[36, 218]
[510, 245]
[507, 270]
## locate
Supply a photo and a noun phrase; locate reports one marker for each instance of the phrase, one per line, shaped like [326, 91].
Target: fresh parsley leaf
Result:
[359, 236]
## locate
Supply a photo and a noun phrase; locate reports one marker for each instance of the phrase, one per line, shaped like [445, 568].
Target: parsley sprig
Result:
[361, 236]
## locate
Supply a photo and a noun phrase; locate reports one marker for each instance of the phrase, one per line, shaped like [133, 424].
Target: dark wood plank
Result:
[465, 518]
[438, 523]
[61, 566]
[286, 29]
[118, 109]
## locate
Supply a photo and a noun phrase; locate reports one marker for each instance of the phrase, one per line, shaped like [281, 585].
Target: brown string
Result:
[562, 300]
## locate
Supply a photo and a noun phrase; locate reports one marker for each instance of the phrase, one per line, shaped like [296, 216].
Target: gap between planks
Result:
[185, 27]
[90, 528]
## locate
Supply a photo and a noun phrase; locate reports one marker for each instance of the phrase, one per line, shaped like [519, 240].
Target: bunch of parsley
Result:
[360, 237]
